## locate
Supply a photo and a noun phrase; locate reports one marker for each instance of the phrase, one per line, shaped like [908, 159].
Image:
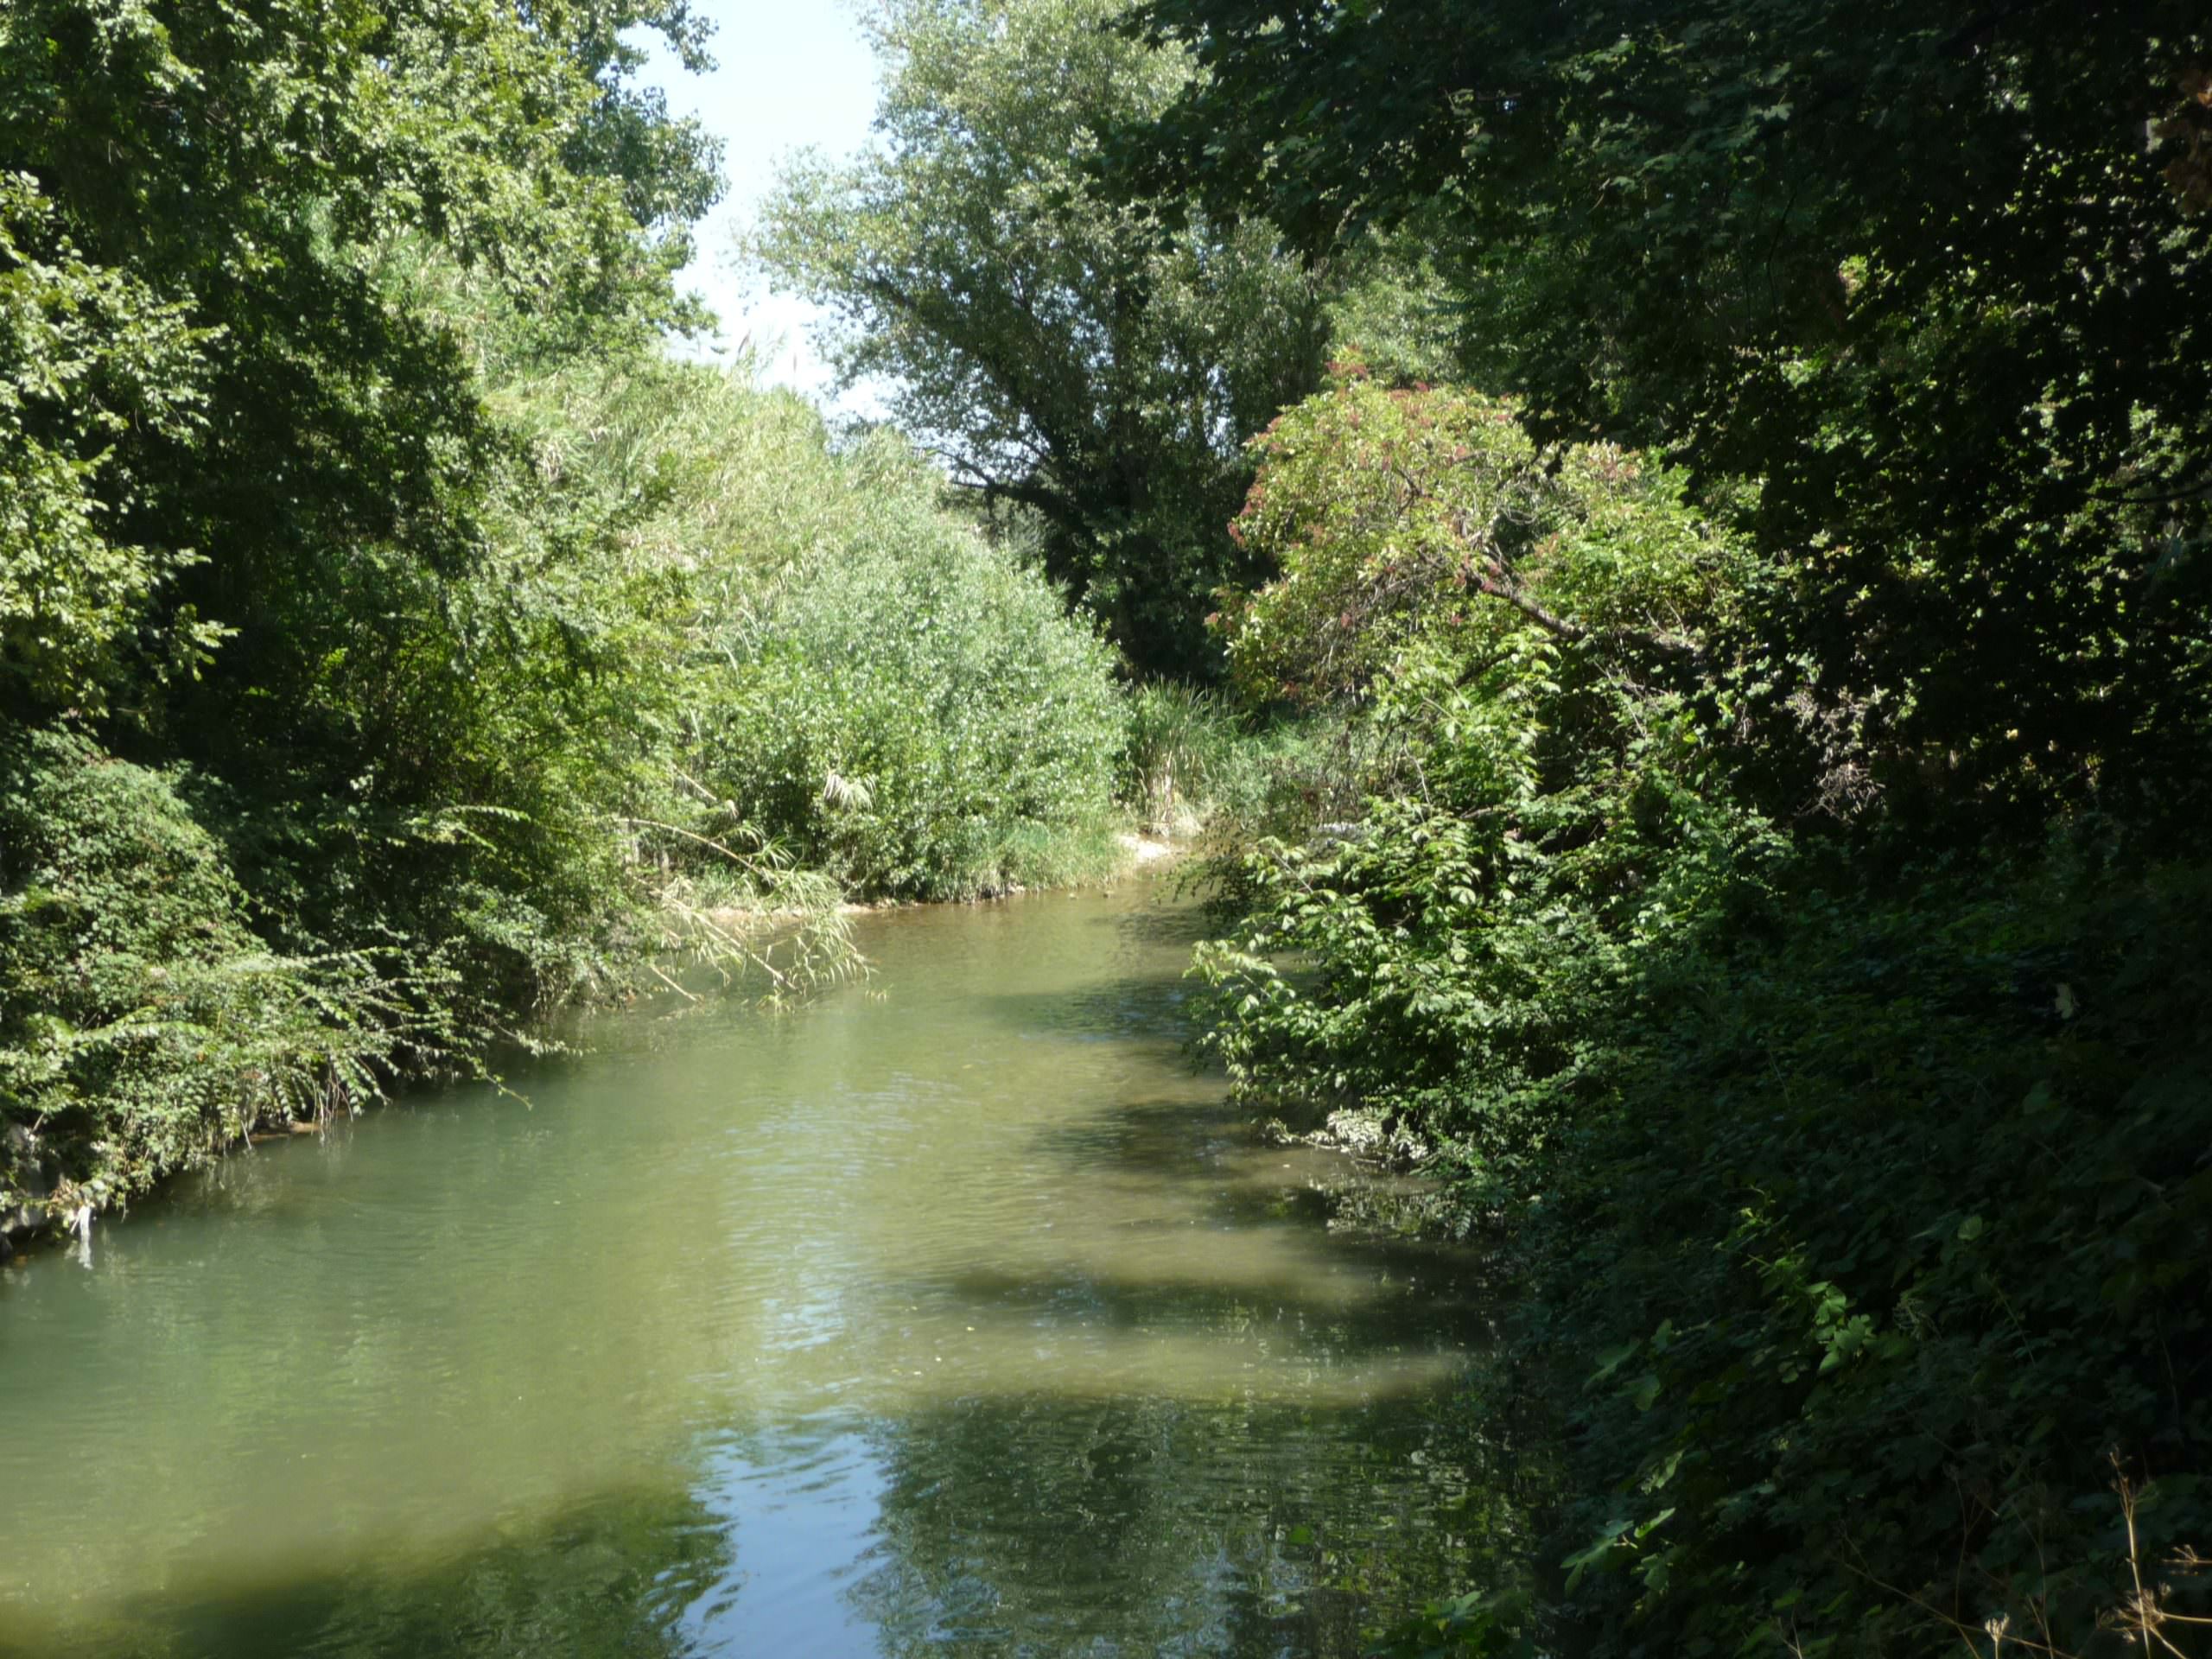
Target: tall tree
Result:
[1075, 355]
[1925, 290]
[237, 404]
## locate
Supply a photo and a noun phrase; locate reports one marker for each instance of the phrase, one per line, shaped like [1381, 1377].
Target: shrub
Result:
[1852, 1204]
[1875, 1257]
[914, 709]
[145, 1026]
[1400, 515]
[1518, 646]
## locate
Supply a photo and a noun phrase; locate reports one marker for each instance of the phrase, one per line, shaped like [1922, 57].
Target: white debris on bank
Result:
[1146, 849]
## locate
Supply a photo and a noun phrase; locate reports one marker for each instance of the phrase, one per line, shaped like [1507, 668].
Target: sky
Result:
[791, 73]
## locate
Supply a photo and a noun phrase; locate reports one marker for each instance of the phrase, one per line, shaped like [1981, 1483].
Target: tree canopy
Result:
[1921, 294]
[1063, 352]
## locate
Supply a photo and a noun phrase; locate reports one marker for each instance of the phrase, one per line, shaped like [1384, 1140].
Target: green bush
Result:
[1539, 797]
[1851, 1204]
[915, 710]
[1873, 1259]
[863, 686]
[144, 1024]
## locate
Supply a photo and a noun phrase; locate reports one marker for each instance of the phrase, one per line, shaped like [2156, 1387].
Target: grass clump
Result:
[1196, 765]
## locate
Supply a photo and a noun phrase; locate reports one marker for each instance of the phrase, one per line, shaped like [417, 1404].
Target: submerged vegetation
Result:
[1697, 717]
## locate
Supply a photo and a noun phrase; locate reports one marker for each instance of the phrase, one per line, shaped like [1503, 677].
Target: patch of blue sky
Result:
[790, 75]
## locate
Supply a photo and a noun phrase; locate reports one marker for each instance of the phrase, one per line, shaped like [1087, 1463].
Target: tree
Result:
[315, 711]
[1064, 353]
[87, 357]
[1922, 292]
[247, 419]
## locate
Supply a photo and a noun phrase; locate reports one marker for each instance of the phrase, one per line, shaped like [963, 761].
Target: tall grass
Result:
[711, 675]
[1197, 767]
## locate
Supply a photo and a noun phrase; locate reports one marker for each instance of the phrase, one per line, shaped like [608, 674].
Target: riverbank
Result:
[49, 1206]
[1144, 852]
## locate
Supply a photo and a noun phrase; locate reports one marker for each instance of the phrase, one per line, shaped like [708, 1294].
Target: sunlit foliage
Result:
[1085, 360]
[386, 629]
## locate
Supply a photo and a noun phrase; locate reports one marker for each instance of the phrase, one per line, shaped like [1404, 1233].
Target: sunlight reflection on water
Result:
[953, 1312]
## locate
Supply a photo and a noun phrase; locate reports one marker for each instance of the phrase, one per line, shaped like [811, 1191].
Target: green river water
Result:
[951, 1314]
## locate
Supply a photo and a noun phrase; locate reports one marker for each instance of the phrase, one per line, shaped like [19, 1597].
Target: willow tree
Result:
[1097, 363]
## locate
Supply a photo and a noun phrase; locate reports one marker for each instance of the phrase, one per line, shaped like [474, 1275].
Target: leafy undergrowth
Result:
[145, 1023]
[1849, 1187]
[1876, 1257]
[1864, 1283]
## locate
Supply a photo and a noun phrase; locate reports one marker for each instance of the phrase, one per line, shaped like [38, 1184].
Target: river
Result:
[951, 1313]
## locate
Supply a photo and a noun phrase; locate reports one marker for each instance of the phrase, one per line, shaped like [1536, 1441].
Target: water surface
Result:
[952, 1314]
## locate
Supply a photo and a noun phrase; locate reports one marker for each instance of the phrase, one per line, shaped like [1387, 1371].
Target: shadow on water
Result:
[1371, 1320]
[953, 1315]
[1152, 1009]
[609, 1578]
[1210, 1148]
[1022, 1526]
[1172, 926]
[1173, 1139]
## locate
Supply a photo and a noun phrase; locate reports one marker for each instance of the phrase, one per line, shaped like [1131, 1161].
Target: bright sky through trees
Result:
[791, 73]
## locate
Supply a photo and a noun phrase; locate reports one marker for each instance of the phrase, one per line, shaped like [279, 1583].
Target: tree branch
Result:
[1498, 585]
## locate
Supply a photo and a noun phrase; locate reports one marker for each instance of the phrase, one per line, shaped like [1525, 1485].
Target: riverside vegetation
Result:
[1706, 695]
[393, 645]
[1781, 900]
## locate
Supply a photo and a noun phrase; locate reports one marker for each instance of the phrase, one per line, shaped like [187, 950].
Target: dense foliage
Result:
[1738, 816]
[145, 1025]
[916, 715]
[254, 597]
[1929, 285]
[1547, 807]
[1068, 355]
[390, 638]
[1800, 985]
[1858, 1212]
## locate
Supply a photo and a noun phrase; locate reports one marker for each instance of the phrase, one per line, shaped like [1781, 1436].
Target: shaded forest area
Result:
[1782, 893]
[1663, 551]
